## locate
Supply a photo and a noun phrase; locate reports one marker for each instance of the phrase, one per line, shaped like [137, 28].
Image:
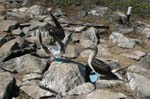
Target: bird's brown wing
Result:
[60, 32]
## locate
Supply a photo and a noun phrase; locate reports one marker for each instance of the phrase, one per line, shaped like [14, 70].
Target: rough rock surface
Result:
[8, 86]
[140, 84]
[63, 77]
[122, 41]
[82, 89]
[89, 38]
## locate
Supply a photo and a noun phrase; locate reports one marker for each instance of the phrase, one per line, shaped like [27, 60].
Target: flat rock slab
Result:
[104, 94]
[35, 91]
[8, 25]
[82, 89]
[100, 84]
[122, 41]
[134, 55]
[138, 70]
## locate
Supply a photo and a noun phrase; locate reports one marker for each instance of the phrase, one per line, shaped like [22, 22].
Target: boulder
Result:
[15, 48]
[137, 55]
[25, 64]
[101, 84]
[140, 84]
[145, 62]
[18, 32]
[146, 31]
[35, 91]
[139, 70]
[82, 89]
[58, 12]
[99, 11]
[37, 10]
[72, 51]
[63, 77]
[89, 38]
[30, 64]
[122, 41]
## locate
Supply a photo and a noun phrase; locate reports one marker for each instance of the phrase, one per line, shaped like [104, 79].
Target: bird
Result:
[54, 30]
[55, 51]
[97, 66]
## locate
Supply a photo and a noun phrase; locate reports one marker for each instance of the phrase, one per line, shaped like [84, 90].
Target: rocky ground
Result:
[25, 70]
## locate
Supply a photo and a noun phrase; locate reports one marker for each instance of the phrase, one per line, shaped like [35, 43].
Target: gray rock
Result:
[23, 10]
[15, 48]
[105, 94]
[89, 38]
[82, 13]
[71, 51]
[25, 64]
[5, 78]
[27, 2]
[103, 50]
[64, 20]
[146, 31]
[8, 25]
[145, 62]
[2, 10]
[140, 84]
[35, 91]
[30, 64]
[100, 84]
[21, 18]
[85, 53]
[76, 29]
[63, 77]
[124, 30]
[8, 86]
[99, 11]
[75, 37]
[37, 10]
[122, 41]
[135, 55]
[14, 3]
[58, 12]
[26, 30]
[17, 32]
[32, 76]
[138, 70]
[82, 89]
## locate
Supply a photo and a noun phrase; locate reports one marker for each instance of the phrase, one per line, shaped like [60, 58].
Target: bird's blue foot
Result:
[58, 60]
[94, 77]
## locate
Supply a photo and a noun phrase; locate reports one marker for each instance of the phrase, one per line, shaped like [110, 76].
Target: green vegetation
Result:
[140, 7]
